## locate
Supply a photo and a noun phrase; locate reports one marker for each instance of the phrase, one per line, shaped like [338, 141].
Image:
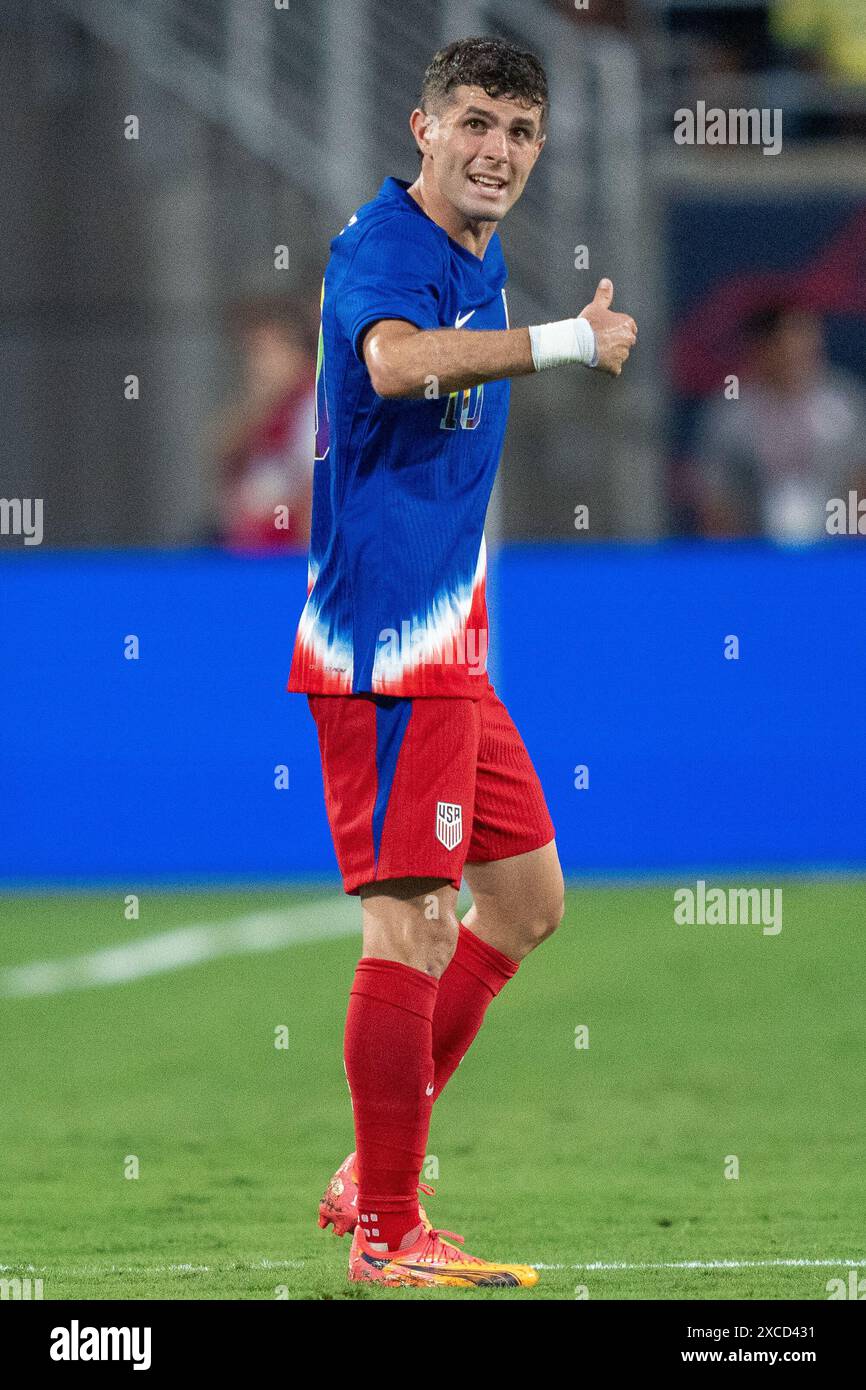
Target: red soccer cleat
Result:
[339, 1205]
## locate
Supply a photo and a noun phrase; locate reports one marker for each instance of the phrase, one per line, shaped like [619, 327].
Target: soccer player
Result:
[426, 777]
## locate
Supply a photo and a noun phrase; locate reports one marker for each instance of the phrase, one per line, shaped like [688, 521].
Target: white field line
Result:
[84, 1271]
[182, 947]
[90, 1270]
[718, 1264]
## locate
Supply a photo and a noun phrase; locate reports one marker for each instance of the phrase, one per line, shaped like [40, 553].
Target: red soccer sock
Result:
[389, 1064]
[475, 975]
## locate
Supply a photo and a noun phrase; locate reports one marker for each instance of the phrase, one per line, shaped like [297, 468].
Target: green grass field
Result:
[704, 1042]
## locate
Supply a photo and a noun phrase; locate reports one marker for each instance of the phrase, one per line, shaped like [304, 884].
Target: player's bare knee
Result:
[413, 940]
[557, 914]
[427, 943]
[438, 941]
[412, 921]
[547, 918]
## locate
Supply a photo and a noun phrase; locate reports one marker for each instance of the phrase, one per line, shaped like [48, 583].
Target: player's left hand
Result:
[615, 334]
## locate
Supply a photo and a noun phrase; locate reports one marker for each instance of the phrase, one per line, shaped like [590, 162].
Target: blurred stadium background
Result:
[185, 249]
[190, 259]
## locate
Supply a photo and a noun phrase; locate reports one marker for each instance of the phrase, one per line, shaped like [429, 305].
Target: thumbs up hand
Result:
[615, 334]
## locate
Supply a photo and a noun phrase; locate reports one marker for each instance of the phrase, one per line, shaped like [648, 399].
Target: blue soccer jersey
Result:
[396, 580]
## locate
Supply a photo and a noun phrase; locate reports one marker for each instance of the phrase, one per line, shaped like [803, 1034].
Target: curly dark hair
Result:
[497, 65]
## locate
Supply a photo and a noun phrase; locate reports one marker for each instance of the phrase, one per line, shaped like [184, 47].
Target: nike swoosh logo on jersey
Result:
[463, 318]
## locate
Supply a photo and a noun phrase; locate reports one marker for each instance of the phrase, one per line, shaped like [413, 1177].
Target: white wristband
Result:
[569, 340]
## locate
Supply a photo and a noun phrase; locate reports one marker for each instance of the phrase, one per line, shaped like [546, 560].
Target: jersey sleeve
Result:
[396, 272]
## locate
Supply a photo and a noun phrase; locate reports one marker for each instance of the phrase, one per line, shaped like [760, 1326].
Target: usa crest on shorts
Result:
[449, 823]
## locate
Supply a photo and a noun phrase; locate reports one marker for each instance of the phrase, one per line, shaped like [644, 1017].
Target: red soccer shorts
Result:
[417, 787]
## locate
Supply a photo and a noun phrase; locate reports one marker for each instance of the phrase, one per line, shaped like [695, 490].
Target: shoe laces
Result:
[441, 1250]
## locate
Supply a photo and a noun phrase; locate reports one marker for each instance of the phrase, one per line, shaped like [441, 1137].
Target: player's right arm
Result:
[406, 361]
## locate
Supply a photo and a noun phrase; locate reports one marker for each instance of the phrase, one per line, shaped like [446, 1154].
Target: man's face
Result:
[481, 151]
